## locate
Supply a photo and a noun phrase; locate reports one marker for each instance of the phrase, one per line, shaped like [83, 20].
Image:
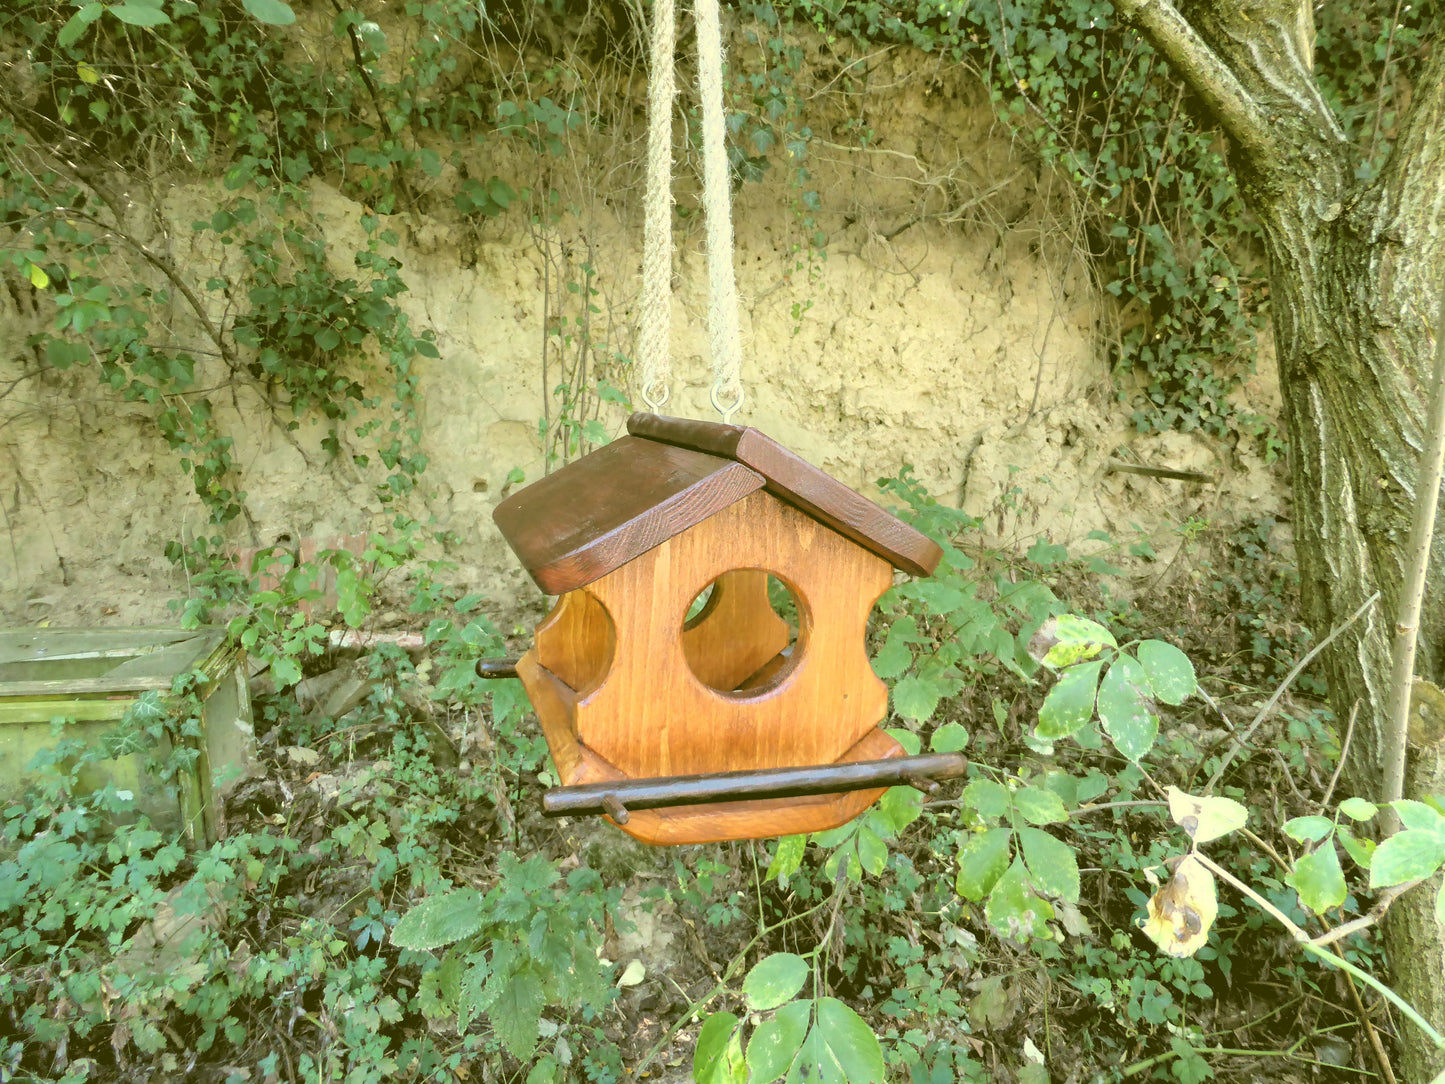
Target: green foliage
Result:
[151, 89]
[512, 952]
[124, 947]
[1155, 204]
[912, 929]
[803, 1039]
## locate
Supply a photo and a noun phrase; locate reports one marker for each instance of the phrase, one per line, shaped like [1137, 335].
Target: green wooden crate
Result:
[90, 677]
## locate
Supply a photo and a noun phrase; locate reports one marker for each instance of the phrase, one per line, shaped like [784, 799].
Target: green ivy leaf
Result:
[776, 1042]
[285, 672]
[1308, 829]
[773, 980]
[850, 1041]
[1123, 705]
[1039, 805]
[981, 862]
[1318, 879]
[710, 1059]
[275, 12]
[1051, 864]
[1406, 855]
[1168, 670]
[1070, 703]
[440, 920]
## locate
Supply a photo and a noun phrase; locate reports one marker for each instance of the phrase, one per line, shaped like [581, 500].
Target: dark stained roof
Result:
[667, 475]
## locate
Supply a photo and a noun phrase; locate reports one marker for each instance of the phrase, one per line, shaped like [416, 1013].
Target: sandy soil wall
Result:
[948, 325]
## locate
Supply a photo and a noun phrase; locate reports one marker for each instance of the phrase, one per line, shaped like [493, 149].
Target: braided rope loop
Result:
[655, 333]
[722, 314]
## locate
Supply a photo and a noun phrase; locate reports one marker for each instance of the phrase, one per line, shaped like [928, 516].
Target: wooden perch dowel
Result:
[667, 791]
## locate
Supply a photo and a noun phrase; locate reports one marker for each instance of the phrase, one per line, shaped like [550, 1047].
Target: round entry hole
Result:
[741, 632]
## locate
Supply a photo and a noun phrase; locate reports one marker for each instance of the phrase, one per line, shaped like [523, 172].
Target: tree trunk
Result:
[1356, 274]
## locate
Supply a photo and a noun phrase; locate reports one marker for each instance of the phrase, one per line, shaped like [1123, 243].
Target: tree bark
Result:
[1356, 275]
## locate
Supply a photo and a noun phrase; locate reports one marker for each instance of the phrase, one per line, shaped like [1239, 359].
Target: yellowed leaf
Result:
[1205, 818]
[87, 73]
[1184, 908]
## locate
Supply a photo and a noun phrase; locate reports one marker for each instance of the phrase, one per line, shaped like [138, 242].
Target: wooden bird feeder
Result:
[644, 706]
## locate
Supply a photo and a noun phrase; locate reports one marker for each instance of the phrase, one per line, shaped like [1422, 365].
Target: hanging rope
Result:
[654, 338]
[655, 334]
[722, 308]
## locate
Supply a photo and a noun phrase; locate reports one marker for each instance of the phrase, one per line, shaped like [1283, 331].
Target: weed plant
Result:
[388, 905]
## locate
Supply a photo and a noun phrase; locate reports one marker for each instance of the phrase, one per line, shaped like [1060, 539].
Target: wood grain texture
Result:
[603, 510]
[713, 823]
[802, 485]
[737, 633]
[576, 641]
[622, 795]
[652, 715]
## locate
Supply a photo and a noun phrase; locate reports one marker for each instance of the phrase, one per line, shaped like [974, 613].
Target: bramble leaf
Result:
[1050, 863]
[1405, 856]
[850, 1041]
[1318, 879]
[1357, 809]
[1308, 829]
[774, 979]
[1013, 909]
[275, 12]
[981, 862]
[788, 857]
[1170, 673]
[1070, 703]
[1124, 708]
[718, 1055]
[1039, 805]
[775, 1043]
[1208, 817]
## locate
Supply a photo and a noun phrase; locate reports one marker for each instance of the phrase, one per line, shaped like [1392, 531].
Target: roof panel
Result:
[601, 511]
[793, 479]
